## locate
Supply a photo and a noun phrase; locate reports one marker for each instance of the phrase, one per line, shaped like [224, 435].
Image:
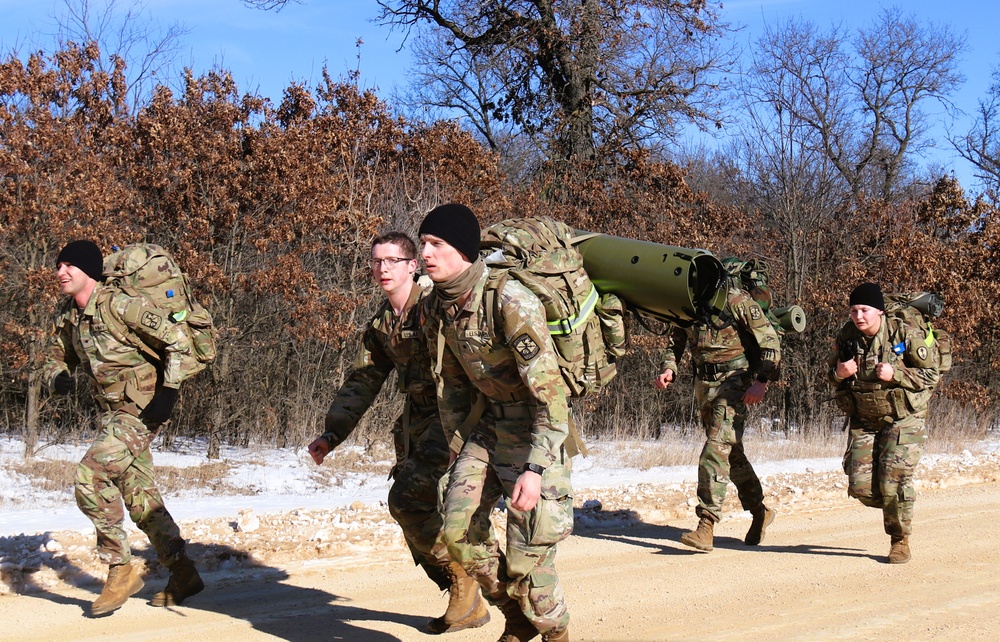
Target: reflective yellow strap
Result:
[566, 326]
[929, 339]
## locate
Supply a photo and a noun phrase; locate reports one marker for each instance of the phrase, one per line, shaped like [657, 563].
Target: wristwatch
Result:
[535, 468]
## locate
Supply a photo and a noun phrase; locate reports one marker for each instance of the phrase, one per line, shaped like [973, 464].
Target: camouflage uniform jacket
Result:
[512, 364]
[390, 343]
[121, 371]
[747, 340]
[915, 372]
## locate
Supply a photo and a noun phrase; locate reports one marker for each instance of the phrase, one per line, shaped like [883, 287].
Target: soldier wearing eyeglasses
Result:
[394, 341]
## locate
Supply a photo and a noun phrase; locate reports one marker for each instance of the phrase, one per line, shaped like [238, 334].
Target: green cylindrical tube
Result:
[673, 284]
[791, 317]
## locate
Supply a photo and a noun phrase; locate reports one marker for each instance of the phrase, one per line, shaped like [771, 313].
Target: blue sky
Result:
[267, 50]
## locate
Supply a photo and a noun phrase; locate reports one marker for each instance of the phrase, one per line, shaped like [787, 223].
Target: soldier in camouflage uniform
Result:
[394, 341]
[733, 363]
[137, 398]
[884, 373]
[503, 404]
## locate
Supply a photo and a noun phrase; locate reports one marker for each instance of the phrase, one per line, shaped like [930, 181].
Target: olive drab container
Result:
[791, 318]
[671, 284]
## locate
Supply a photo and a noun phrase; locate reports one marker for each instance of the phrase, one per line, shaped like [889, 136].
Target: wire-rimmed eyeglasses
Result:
[390, 262]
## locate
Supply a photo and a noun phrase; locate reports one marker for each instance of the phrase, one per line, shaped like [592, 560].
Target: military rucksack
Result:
[587, 328]
[149, 271]
[917, 310]
[753, 277]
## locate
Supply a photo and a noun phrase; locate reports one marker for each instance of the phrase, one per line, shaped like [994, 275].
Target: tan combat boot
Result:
[899, 553]
[762, 518]
[123, 581]
[517, 627]
[466, 609]
[701, 537]
[556, 636]
[183, 583]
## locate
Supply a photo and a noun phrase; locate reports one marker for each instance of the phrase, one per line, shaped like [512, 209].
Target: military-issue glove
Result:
[63, 384]
[160, 406]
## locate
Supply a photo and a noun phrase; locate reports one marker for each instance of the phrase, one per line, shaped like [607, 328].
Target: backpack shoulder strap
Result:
[493, 301]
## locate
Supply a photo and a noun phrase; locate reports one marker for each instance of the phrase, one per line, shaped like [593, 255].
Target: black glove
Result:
[160, 406]
[63, 384]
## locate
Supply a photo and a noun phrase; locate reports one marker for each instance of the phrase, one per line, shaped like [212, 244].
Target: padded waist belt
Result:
[513, 411]
[714, 369]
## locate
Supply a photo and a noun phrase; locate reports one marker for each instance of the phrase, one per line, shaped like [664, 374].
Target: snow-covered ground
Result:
[275, 507]
[280, 480]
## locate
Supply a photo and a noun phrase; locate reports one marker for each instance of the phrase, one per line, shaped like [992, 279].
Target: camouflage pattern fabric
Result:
[723, 415]
[413, 496]
[392, 343]
[119, 370]
[726, 360]
[519, 367]
[887, 418]
[880, 466]
[526, 421]
[118, 467]
[745, 332]
[916, 373]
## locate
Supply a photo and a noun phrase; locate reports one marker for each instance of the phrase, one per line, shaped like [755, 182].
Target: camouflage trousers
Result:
[413, 496]
[526, 571]
[880, 463]
[116, 474]
[723, 415]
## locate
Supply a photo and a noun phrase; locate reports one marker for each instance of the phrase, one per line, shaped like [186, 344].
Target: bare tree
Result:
[126, 36]
[862, 97]
[269, 5]
[575, 74]
[981, 145]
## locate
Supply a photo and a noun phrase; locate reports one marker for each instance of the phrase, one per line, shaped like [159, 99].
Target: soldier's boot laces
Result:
[517, 627]
[556, 636]
[762, 518]
[701, 537]
[466, 608]
[123, 582]
[183, 583]
[899, 552]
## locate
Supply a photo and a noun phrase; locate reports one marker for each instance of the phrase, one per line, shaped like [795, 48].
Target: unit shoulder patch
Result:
[151, 320]
[526, 347]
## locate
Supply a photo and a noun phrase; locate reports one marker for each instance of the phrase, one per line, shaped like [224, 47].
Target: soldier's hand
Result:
[319, 449]
[63, 384]
[755, 393]
[847, 369]
[884, 372]
[527, 490]
[664, 379]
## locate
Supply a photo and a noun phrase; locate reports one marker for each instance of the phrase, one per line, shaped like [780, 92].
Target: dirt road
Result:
[820, 574]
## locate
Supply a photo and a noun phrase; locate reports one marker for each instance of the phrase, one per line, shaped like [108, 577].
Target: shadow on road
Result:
[625, 526]
[236, 586]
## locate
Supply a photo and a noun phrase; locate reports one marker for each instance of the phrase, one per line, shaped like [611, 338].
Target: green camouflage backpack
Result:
[918, 309]
[587, 328]
[149, 271]
[753, 276]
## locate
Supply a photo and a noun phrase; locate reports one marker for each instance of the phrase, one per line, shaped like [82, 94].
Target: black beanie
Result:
[86, 256]
[869, 294]
[457, 226]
